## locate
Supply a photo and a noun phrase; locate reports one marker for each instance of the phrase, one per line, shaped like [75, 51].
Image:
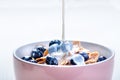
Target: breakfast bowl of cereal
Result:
[63, 60]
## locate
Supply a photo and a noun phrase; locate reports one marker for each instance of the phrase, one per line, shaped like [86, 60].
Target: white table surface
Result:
[27, 21]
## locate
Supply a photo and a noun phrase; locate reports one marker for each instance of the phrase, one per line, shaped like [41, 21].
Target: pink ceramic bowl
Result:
[30, 71]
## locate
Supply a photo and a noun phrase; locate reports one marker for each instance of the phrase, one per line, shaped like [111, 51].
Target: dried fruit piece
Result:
[41, 60]
[93, 57]
[77, 43]
[64, 62]
[45, 53]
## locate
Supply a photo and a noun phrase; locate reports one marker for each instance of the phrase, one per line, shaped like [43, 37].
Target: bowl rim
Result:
[44, 65]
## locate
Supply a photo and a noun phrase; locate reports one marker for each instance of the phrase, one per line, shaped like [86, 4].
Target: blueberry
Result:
[66, 46]
[101, 58]
[36, 54]
[55, 42]
[40, 48]
[77, 60]
[85, 55]
[72, 62]
[53, 48]
[26, 58]
[33, 61]
[51, 61]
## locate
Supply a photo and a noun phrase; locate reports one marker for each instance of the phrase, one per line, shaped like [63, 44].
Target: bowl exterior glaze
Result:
[98, 71]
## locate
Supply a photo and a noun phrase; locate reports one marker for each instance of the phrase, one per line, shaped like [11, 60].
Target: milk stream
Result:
[63, 20]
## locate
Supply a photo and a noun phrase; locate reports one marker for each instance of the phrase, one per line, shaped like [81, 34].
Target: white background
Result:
[27, 21]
